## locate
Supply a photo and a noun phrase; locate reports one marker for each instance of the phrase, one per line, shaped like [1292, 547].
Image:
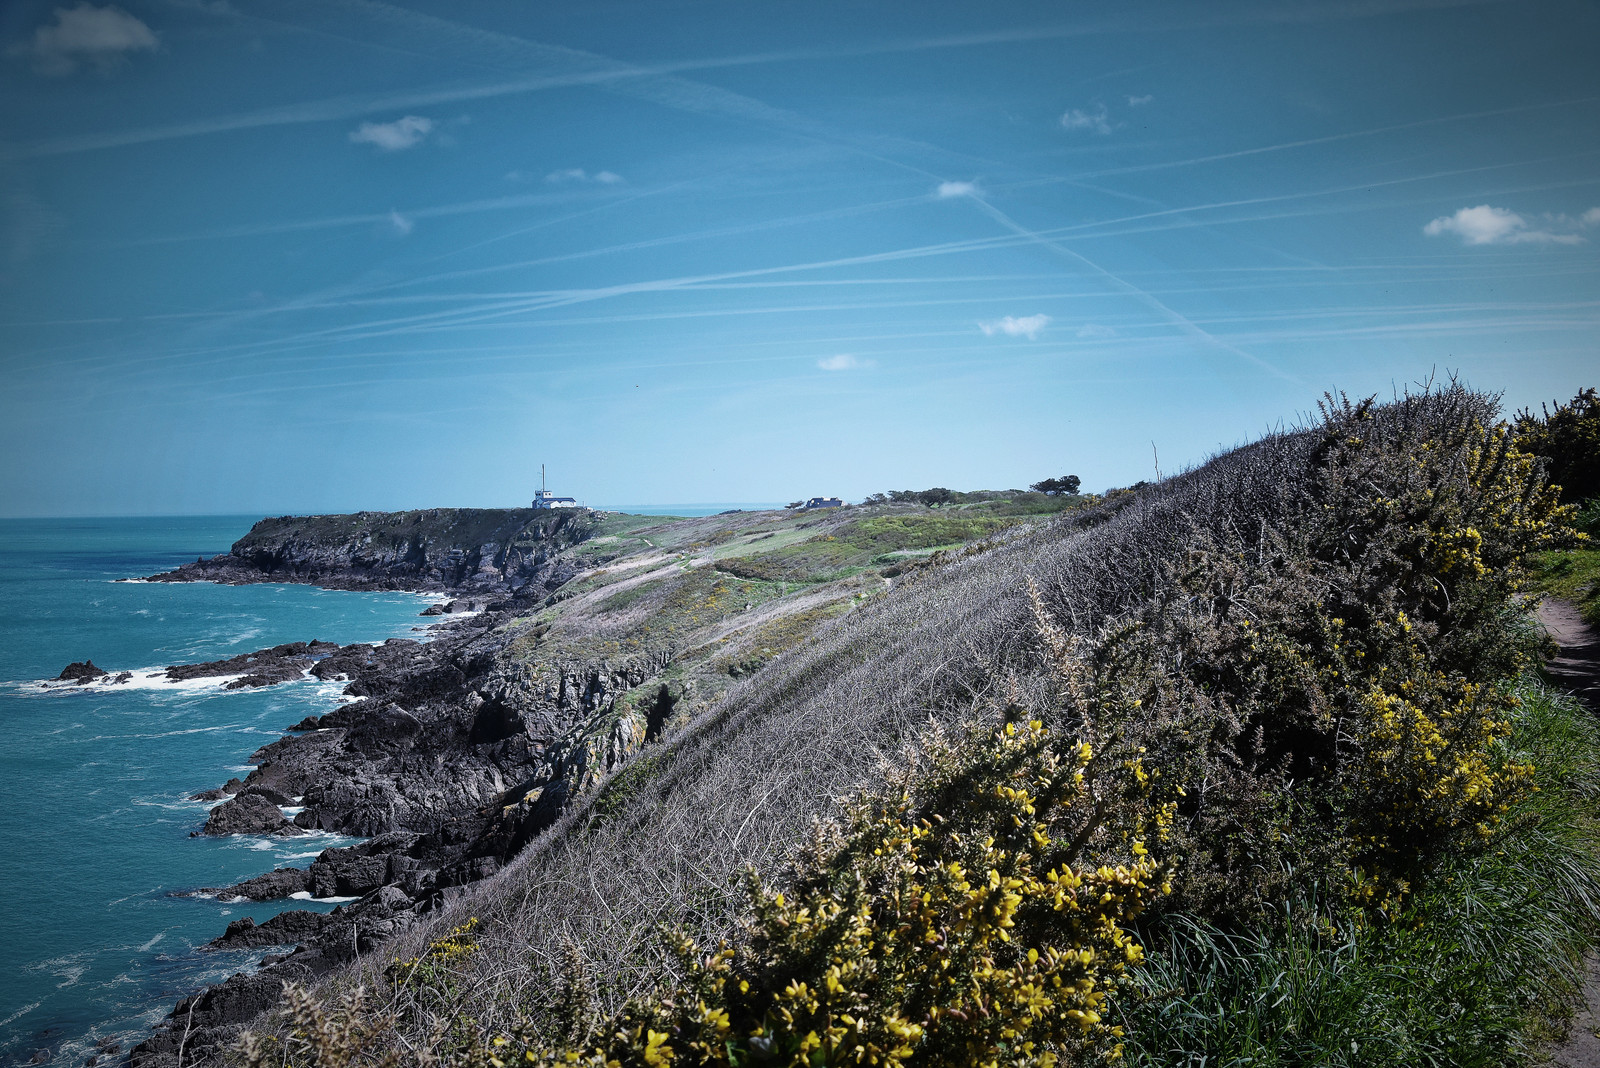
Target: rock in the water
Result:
[296, 925]
[81, 673]
[249, 814]
[273, 886]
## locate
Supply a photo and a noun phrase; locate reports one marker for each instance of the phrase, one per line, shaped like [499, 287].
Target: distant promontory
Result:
[494, 551]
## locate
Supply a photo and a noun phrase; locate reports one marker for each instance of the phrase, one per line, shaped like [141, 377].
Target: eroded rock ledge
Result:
[448, 761]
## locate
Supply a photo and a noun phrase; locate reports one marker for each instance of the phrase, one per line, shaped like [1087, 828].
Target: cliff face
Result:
[493, 551]
[448, 763]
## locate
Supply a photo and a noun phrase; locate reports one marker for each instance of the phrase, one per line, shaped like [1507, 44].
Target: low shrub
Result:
[1568, 438]
[1479, 967]
[978, 912]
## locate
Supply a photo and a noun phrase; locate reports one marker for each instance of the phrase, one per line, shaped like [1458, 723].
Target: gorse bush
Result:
[1569, 439]
[1342, 686]
[953, 920]
[1477, 968]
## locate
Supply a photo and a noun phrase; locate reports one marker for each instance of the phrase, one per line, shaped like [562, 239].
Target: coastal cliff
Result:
[484, 550]
[585, 638]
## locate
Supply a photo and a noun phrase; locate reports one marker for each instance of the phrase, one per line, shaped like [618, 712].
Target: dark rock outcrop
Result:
[273, 886]
[489, 550]
[451, 759]
[249, 813]
[81, 673]
[286, 928]
[265, 667]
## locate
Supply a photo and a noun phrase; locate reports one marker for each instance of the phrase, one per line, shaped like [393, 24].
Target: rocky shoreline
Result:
[447, 761]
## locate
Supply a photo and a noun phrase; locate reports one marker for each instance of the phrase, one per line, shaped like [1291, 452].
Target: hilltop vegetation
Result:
[1241, 767]
[1568, 439]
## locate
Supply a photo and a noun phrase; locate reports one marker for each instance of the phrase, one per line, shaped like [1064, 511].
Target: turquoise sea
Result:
[97, 938]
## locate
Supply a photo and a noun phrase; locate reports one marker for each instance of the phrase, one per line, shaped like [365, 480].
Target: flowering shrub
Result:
[436, 964]
[924, 929]
[1569, 440]
[1347, 679]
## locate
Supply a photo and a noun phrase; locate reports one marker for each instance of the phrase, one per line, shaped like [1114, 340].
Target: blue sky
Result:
[325, 255]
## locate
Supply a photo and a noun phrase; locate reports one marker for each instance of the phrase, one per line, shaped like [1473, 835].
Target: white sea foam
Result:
[182, 805]
[20, 1013]
[305, 895]
[148, 946]
[140, 679]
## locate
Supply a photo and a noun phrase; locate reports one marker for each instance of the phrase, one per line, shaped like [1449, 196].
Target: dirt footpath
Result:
[1576, 667]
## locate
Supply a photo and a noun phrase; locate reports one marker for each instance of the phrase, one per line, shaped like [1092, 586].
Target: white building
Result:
[548, 499]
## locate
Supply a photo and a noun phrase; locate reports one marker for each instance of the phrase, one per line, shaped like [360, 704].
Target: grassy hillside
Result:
[1221, 770]
[718, 598]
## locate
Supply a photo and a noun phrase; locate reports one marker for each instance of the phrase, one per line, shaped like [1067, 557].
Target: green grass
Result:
[1481, 969]
[1573, 575]
[892, 533]
[851, 544]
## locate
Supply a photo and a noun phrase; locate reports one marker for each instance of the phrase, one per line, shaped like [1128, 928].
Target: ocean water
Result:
[97, 937]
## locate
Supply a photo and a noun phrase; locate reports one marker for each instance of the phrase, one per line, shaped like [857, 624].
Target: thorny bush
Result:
[1568, 437]
[957, 919]
[1342, 686]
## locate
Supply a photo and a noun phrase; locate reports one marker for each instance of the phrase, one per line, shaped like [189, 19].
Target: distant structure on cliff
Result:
[824, 502]
[546, 498]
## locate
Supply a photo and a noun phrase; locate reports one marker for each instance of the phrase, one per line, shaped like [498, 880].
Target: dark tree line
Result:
[939, 495]
[1064, 484]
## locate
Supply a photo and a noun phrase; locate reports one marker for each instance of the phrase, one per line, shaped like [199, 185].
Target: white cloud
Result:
[99, 36]
[947, 190]
[1097, 120]
[843, 362]
[393, 136]
[1486, 225]
[1140, 101]
[578, 174]
[402, 225]
[1027, 326]
[1096, 331]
